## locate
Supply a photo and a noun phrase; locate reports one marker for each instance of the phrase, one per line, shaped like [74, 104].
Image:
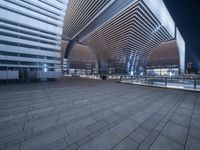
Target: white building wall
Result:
[181, 47]
[161, 12]
[30, 33]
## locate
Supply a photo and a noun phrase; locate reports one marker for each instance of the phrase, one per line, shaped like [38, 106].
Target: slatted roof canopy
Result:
[129, 36]
[79, 13]
[125, 40]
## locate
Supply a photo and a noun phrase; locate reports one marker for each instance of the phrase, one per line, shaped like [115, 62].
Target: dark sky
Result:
[186, 14]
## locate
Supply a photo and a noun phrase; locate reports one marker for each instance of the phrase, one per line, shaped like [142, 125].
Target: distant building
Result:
[189, 65]
[190, 69]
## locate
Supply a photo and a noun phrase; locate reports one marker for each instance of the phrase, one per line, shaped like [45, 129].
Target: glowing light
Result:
[45, 69]
[132, 72]
[170, 74]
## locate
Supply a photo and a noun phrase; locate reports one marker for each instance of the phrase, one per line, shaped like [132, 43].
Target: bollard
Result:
[195, 84]
[145, 80]
[165, 81]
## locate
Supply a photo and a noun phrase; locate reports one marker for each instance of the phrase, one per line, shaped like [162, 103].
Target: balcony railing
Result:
[175, 82]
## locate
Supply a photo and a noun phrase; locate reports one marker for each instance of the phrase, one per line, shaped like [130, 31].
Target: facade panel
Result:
[160, 11]
[181, 47]
[30, 34]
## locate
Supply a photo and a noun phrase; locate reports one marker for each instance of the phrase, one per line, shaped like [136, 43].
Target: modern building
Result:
[39, 38]
[129, 37]
[30, 37]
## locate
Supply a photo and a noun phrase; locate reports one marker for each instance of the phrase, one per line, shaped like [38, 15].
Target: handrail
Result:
[184, 82]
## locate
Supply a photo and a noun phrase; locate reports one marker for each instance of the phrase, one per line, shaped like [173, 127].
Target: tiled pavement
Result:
[97, 115]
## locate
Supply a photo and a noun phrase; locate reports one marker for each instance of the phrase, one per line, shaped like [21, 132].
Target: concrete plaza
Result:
[85, 114]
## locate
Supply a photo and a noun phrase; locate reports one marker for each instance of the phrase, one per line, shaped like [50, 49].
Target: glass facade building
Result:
[30, 35]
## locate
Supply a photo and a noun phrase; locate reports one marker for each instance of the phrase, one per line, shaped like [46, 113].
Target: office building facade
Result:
[30, 37]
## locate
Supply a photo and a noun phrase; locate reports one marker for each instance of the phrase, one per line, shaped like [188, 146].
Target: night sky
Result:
[186, 14]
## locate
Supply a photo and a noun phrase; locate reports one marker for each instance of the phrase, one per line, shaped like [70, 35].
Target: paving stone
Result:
[111, 125]
[39, 122]
[105, 141]
[150, 139]
[13, 147]
[58, 145]
[11, 130]
[155, 133]
[195, 123]
[95, 134]
[152, 108]
[97, 126]
[165, 144]
[44, 127]
[72, 147]
[184, 112]
[118, 108]
[140, 117]
[188, 105]
[126, 144]
[45, 139]
[76, 136]
[124, 113]
[2, 146]
[84, 140]
[102, 130]
[66, 120]
[15, 137]
[112, 118]
[156, 117]
[149, 125]
[175, 132]
[39, 111]
[144, 146]
[192, 144]
[139, 134]
[12, 117]
[124, 128]
[102, 115]
[80, 124]
[75, 111]
[196, 116]
[194, 132]
[181, 120]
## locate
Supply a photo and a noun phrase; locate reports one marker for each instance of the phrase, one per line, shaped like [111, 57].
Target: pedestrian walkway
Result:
[86, 114]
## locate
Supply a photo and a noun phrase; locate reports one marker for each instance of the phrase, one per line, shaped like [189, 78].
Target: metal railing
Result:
[178, 82]
[113, 76]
